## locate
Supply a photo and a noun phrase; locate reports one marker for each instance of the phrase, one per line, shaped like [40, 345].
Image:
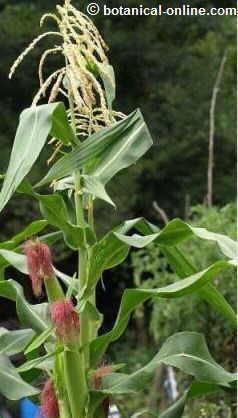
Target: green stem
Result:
[64, 409]
[82, 270]
[75, 382]
[76, 364]
[90, 212]
[83, 255]
[53, 289]
[63, 401]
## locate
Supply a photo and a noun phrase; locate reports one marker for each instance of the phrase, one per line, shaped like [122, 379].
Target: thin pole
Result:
[212, 131]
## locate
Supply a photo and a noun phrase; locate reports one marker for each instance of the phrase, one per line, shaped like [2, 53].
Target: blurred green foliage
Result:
[150, 269]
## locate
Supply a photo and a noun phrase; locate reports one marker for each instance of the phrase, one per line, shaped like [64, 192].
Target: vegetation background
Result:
[166, 66]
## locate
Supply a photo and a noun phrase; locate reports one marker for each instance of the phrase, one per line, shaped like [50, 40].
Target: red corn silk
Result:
[39, 263]
[66, 320]
[49, 402]
[99, 373]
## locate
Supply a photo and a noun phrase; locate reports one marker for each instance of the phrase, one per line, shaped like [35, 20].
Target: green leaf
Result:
[19, 262]
[95, 317]
[106, 152]
[55, 211]
[39, 362]
[12, 386]
[26, 188]
[187, 351]
[108, 78]
[212, 295]
[61, 128]
[106, 254]
[142, 413]
[32, 229]
[176, 410]
[182, 266]
[136, 240]
[177, 231]
[69, 282]
[39, 340]
[51, 238]
[227, 246]
[36, 123]
[109, 252]
[36, 317]
[13, 342]
[134, 297]
[197, 389]
[93, 186]
[16, 260]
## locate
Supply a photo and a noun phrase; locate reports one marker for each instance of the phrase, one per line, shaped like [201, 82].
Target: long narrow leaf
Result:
[12, 386]
[182, 266]
[13, 342]
[32, 229]
[36, 123]
[36, 317]
[132, 298]
[186, 351]
[105, 153]
[197, 389]
[177, 231]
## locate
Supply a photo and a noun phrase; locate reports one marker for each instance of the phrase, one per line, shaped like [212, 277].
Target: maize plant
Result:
[90, 143]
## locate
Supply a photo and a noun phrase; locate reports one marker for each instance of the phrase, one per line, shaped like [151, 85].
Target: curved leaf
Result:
[13, 342]
[110, 251]
[19, 262]
[15, 259]
[39, 340]
[185, 350]
[197, 389]
[12, 386]
[54, 209]
[173, 233]
[32, 229]
[177, 231]
[93, 186]
[36, 317]
[182, 266]
[36, 123]
[134, 297]
[105, 152]
[40, 362]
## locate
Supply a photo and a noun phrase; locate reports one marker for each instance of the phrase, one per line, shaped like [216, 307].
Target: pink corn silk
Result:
[99, 373]
[39, 263]
[66, 320]
[97, 382]
[49, 402]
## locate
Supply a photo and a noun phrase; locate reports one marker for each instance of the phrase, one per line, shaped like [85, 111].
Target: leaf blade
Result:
[12, 386]
[36, 123]
[105, 153]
